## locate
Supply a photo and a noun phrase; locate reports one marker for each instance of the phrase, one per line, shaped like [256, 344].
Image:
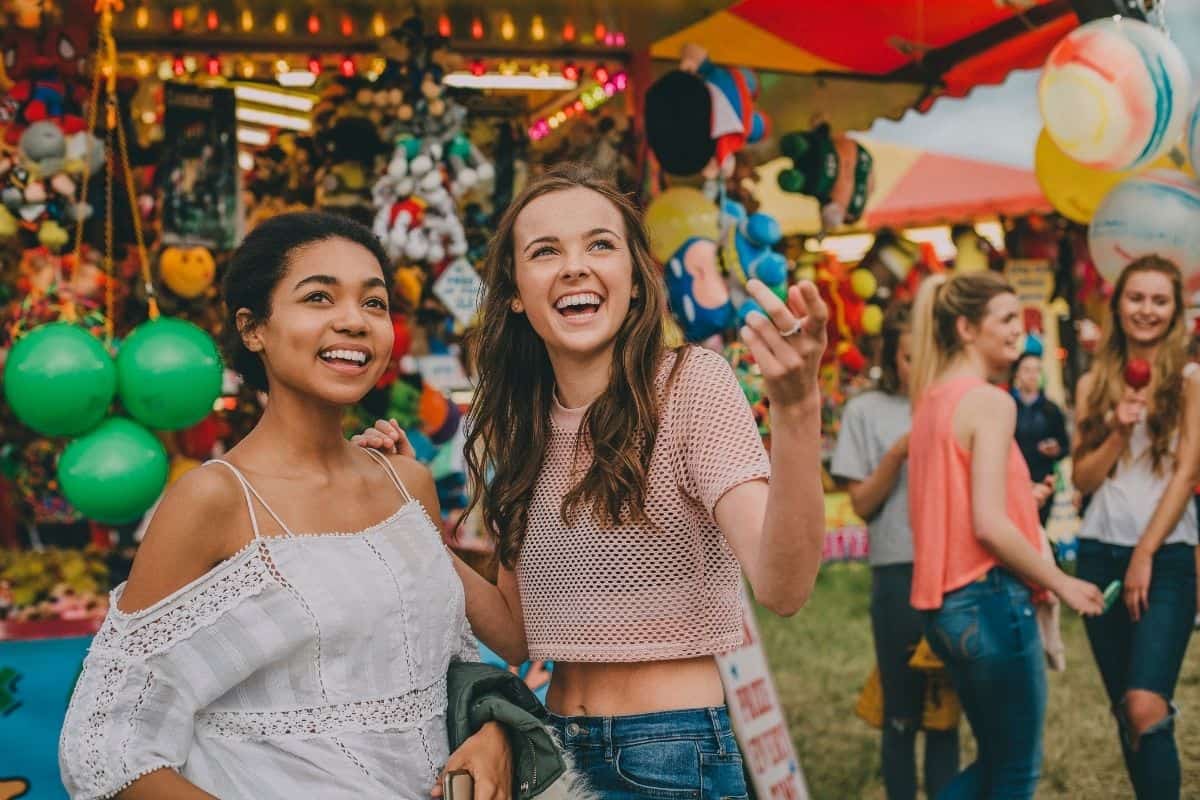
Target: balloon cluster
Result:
[1116, 96]
[60, 381]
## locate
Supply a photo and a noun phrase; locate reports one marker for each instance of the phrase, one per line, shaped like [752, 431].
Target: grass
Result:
[821, 656]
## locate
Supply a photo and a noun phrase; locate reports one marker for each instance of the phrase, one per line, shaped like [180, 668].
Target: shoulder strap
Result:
[387, 465]
[249, 491]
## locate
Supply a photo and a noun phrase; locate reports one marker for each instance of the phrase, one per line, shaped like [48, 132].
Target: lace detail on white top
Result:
[245, 578]
[376, 716]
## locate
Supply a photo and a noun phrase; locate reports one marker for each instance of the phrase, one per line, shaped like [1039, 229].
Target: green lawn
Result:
[821, 656]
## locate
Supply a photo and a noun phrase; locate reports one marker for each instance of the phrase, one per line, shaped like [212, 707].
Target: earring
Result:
[516, 305]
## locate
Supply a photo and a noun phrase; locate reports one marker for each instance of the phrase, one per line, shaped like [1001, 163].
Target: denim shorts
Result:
[668, 754]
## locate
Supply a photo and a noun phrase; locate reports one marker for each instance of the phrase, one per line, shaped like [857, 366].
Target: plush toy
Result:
[836, 170]
[349, 151]
[187, 271]
[746, 246]
[46, 69]
[845, 315]
[697, 292]
[699, 115]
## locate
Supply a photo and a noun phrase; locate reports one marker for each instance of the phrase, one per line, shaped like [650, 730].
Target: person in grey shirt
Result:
[870, 459]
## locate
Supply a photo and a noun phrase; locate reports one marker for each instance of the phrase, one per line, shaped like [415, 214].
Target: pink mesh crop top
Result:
[653, 592]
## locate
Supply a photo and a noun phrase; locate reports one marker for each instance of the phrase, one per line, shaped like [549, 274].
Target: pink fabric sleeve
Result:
[719, 439]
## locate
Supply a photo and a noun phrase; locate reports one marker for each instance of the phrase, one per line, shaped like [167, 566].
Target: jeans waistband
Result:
[606, 731]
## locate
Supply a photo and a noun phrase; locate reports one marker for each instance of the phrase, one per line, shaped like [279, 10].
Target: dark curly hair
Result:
[262, 260]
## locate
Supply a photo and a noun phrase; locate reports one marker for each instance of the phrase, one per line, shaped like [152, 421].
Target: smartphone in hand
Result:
[458, 785]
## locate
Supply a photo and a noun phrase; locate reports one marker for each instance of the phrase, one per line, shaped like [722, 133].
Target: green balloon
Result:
[114, 473]
[59, 380]
[168, 374]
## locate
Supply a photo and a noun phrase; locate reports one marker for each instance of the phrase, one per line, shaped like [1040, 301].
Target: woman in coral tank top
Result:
[978, 551]
[626, 483]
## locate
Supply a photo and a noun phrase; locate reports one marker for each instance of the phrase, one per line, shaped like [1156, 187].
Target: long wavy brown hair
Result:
[510, 416]
[1166, 383]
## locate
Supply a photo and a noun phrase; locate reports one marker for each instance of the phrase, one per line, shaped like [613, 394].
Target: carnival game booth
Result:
[140, 142]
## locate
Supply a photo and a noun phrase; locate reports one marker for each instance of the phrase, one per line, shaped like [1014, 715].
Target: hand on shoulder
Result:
[201, 521]
[418, 480]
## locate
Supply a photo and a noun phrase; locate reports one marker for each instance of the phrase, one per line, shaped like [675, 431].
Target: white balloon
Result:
[1156, 213]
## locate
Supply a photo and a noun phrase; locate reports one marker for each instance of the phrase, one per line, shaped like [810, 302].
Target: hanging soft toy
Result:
[698, 295]
[836, 170]
[45, 68]
[188, 272]
[468, 166]
[845, 315]
[699, 115]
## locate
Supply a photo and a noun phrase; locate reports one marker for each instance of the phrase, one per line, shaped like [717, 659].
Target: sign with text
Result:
[757, 716]
[460, 290]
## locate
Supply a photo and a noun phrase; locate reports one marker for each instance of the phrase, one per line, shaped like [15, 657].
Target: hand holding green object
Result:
[1111, 593]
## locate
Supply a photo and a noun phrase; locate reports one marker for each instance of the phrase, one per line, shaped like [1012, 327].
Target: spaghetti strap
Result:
[249, 490]
[391, 471]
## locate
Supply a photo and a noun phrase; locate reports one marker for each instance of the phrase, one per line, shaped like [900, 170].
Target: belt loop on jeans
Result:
[606, 731]
[717, 732]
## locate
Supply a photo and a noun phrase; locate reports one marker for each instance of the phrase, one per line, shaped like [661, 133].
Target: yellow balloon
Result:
[1074, 190]
[863, 283]
[872, 320]
[677, 215]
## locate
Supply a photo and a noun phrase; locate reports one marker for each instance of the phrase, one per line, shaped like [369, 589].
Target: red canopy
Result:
[950, 46]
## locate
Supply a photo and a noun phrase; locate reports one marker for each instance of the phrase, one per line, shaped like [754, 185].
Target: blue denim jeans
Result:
[1144, 655]
[987, 634]
[669, 754]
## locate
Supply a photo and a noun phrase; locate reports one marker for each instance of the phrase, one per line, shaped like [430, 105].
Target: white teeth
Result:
[346, 355]
[582, 299]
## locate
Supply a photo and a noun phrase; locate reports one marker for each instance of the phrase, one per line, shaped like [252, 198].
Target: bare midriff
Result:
[610, 690]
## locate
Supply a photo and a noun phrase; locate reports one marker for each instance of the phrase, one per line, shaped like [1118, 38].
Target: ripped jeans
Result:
[987, 634]
[1144, 655]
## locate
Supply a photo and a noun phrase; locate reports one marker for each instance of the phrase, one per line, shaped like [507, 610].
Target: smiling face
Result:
[998, 336]
[573, 271]
[1146, 307]
[329, 334]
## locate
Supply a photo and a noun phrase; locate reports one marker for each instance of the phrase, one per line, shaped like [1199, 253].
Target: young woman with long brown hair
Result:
[1138, 457]
[626, 484]
[979, 553]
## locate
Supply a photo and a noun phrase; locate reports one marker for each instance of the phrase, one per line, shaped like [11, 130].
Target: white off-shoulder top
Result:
[304, 666]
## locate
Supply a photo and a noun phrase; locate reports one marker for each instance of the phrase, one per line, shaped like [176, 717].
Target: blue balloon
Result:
[1182, 18]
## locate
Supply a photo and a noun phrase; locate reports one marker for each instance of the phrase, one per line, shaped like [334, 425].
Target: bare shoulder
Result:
[417, 478]
[990, 399]
[201, 521]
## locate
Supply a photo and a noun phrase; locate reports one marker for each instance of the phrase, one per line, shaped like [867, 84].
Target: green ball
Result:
[168, 374]
[59, 380]
[116, 472]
